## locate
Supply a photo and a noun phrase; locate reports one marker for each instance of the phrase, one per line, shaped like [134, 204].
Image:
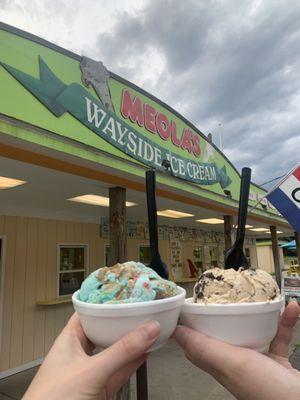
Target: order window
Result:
[72, 268]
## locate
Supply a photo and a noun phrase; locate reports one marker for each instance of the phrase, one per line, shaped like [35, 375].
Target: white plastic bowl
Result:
[251, 325]
[104, 324]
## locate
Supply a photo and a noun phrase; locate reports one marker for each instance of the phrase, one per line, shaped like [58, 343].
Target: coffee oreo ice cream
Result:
[230, 286]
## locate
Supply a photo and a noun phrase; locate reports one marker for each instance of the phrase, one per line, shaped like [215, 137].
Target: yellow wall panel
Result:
[40, 290]
[16, 349]
[29, 294]
[7, 340]
[31, 274]
[51, 283]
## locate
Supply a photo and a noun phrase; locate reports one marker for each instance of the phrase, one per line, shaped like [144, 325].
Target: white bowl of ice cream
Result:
[238, 307]
[114, 301]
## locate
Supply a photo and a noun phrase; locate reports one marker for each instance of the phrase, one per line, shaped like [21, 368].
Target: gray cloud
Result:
[235, 63]
[231, 62]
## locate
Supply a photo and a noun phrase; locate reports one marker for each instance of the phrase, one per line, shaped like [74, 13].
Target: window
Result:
[72, 268]
[145, 255]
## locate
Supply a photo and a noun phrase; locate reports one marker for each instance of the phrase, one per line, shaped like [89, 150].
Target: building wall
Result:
[265, 258]
[253, 256]
[30, 275]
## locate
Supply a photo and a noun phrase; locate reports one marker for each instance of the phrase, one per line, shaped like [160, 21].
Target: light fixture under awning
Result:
[8, 183]
[259, 229]
[96, 200]
[212, 221]
[173, 214]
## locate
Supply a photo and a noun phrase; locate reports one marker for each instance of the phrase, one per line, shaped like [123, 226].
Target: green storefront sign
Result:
[77, 98]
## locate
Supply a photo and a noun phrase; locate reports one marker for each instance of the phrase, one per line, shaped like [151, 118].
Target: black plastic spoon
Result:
[235, 257]
[156, 262]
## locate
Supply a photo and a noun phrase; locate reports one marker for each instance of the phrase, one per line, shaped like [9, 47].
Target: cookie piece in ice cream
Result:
[222, 286]
[230, 286]
[130, 282]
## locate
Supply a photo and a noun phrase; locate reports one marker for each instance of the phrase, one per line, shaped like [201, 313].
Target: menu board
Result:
[140, 230]
[198, 253]
[175, 252]
[104, 227]
[175, 256]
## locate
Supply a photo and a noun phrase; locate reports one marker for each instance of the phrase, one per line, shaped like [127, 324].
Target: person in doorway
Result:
[70, 371]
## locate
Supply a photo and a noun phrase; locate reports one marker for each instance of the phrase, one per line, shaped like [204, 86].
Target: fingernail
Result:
[180, 335]
[151, 330]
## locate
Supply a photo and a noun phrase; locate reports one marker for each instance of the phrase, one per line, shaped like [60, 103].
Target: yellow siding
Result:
[40, 290]
[30, 285]
[31, 275]
[7, 335]
[265, 258]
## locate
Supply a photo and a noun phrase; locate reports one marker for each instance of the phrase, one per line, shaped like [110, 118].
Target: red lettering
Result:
[163, 126]
[196, 147]
[174, 137]
[157, 122]
[132, 109]
[150, 118]
[186, 141]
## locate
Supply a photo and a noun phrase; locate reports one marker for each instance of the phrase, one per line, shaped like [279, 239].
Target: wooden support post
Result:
[117, 225]
[118, 247]
[275, 251]
[297, 239]
[141, 382]
[228, 231]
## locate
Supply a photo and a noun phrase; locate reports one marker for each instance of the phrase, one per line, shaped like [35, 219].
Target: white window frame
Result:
[85, 269]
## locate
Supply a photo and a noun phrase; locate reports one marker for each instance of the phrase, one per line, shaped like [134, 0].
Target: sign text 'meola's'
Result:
[157, 122]
[144, 150]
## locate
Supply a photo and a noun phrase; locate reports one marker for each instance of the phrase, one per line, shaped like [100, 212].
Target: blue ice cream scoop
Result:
[130, 282]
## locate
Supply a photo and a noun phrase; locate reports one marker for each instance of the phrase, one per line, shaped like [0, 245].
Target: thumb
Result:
[244, 372]
[128, 349]
[280, 344]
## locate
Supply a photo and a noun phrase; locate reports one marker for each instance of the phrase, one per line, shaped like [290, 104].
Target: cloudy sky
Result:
[231, 67]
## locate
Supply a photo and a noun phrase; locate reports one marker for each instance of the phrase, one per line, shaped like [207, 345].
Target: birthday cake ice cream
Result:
[229, 286]
[130, 282]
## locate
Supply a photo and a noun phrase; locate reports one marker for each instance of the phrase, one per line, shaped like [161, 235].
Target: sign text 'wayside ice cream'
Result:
[98, 115]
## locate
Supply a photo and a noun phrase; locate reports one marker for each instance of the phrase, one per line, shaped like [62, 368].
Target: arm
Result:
[71, 372]
[248, 375]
